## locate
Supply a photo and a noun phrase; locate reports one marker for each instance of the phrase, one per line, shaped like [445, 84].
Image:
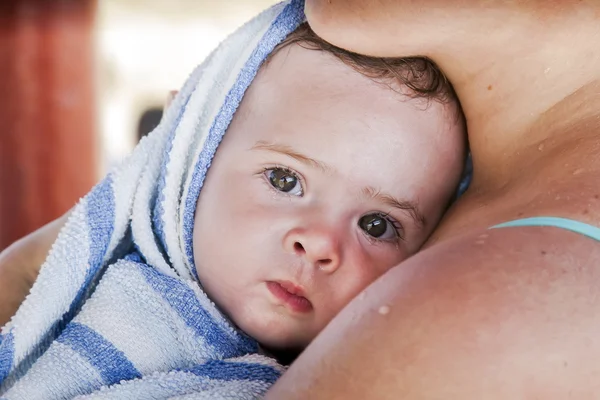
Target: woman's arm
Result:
[20, 264]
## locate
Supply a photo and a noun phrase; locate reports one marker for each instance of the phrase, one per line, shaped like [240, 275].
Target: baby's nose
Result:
[319, 246]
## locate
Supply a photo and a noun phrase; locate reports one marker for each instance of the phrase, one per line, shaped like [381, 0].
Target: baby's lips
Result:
[291, 295]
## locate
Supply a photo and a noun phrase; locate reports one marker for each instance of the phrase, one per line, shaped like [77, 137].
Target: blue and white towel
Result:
[117, 310]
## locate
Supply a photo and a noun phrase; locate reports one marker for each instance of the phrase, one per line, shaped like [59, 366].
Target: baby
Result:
[335, 168]
[337, 177]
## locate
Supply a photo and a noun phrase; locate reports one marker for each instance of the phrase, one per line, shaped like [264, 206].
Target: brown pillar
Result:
[47, 140]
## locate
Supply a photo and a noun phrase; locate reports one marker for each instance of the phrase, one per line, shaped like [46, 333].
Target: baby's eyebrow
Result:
[405, 205]
[288, 151]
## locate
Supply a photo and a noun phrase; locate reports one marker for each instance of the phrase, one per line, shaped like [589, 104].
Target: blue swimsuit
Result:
[562, 223]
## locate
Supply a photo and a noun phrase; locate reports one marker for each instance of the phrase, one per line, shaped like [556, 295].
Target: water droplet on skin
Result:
[557, 197]
[384, 310]
[480, 242]
[547, 70]
[541, 147]
[578, 171]
[483, 236]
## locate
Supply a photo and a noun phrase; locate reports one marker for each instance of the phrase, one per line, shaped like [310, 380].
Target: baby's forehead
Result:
[310, 83]
[301, 92]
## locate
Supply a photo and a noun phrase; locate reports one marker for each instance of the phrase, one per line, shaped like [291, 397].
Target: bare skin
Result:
[20, 264]
[511, 315]
[483, 314]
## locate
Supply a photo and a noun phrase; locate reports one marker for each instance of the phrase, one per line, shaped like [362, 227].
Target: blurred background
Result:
[81, 81]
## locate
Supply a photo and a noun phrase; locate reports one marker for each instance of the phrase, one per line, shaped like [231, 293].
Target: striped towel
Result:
[117, 311]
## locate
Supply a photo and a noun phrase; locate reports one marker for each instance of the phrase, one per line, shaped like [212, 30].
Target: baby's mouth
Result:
[290, 295]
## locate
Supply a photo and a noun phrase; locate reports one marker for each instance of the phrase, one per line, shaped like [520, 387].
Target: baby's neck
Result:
[284, 357]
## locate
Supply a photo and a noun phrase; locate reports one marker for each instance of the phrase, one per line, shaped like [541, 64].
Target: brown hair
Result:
[419, 74]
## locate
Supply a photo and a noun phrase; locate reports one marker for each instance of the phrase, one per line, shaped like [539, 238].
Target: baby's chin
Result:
[278, 333]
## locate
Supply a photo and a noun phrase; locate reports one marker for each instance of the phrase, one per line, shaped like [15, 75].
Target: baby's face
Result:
[324, 181]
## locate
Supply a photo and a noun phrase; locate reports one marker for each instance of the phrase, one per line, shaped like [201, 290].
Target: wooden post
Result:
[47, 125]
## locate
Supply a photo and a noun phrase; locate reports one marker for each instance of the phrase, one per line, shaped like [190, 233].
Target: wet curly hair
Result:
[420, 75]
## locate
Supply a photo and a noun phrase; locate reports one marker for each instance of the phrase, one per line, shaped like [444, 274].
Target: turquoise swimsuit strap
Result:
[562, 223]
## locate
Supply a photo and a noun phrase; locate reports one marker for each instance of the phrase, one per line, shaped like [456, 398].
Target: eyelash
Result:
[398, 228]
[287, 170]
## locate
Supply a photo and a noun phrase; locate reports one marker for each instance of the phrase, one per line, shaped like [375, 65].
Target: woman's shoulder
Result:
[494, 314]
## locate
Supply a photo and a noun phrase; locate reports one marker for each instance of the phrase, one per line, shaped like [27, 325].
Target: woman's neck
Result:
[507, 88]
[518, 93]
[523, 70]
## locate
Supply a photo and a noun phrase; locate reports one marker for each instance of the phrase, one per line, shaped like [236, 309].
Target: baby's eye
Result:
[379, 226]
[284, 180]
